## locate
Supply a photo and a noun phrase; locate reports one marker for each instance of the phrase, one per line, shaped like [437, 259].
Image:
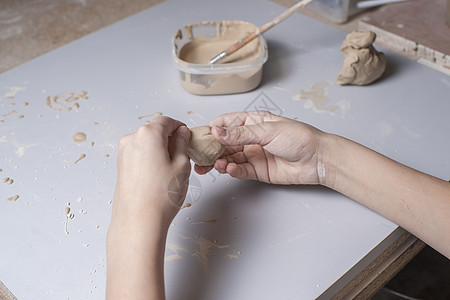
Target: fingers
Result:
[157, 139]
[201, 170]
[231, 154]
[243, 118]
[245, 128]
[160, 129]
[241, 171]
[166, 125]
[260, 134]
[178, 144]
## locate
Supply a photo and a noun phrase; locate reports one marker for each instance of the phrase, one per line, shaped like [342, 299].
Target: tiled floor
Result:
[427, 276]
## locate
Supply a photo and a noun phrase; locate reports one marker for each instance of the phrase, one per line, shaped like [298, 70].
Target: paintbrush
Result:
[244, 41]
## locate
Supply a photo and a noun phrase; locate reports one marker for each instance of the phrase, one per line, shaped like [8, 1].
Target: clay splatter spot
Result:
[186, 206]
[66, 100]
[79, 137]
[156, 114]
[208, 221]
[13, 198]
[80, 158]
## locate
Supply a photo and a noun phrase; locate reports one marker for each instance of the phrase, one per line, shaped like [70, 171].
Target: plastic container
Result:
[240, 72]
[337, 11]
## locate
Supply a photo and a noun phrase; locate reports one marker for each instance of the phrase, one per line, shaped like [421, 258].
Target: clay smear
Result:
[199, 247]
[190, 112]
[66, 100]
[204, 251]
[177, 252]
[317, 97]
[69, 216]
[205, 222]
[186, 206]
[156, 114]
[13, 90]
[10, 113]
[80, 158]
[13, 198]
[8, 180]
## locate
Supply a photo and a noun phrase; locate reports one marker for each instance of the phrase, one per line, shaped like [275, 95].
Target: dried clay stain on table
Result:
[316, 97]
[208, 221]
[66, 100]
[79, 137]
[11, 96]
[186, 206]
[80, 158]
[13, 198]
[156, 114]
[69, 216]
[190, 112]
[8, 180]
[203, 249]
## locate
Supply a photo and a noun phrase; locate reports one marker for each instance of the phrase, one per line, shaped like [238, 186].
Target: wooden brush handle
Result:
[244, 41]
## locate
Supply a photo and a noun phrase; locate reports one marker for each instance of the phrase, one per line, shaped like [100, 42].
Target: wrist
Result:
[130, 223]
[328, 155]
[134, 208]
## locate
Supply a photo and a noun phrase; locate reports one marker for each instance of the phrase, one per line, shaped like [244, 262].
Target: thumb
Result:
[181, 136]
[243, 135]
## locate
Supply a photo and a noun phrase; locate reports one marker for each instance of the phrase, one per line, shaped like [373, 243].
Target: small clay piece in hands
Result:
[362, 63]
[203, 148]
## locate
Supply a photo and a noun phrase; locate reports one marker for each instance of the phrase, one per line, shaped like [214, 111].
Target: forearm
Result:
[135, 260]
[416, 201]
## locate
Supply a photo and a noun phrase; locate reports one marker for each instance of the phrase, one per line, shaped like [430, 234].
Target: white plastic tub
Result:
[337, 11]
[240, 72]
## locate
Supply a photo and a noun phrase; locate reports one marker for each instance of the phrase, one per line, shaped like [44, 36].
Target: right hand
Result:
[266, 147]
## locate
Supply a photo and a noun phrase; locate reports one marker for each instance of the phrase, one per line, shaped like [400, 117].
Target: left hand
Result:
[153, 172]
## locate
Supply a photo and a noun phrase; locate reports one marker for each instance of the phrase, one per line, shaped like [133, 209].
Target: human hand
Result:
[153, 172]
[266, 147]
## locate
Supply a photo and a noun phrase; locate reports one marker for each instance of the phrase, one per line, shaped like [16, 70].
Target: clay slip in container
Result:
[195, 44]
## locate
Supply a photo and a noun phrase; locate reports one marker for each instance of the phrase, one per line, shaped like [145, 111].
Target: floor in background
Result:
[426, 277]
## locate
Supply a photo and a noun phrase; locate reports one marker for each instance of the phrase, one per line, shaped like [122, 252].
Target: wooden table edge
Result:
[383, 268]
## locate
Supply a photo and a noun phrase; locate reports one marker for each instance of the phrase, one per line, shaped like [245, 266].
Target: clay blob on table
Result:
[203, 148]
[362, 63]
[79, 137]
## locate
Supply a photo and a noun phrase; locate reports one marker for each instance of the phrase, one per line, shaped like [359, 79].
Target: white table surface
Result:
[271, 242]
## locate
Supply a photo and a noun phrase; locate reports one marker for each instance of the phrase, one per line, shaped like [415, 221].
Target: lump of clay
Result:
[203, 148]
[362, 63]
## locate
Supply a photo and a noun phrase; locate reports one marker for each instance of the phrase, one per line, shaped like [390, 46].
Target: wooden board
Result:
[417, 29]
[6, 294]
